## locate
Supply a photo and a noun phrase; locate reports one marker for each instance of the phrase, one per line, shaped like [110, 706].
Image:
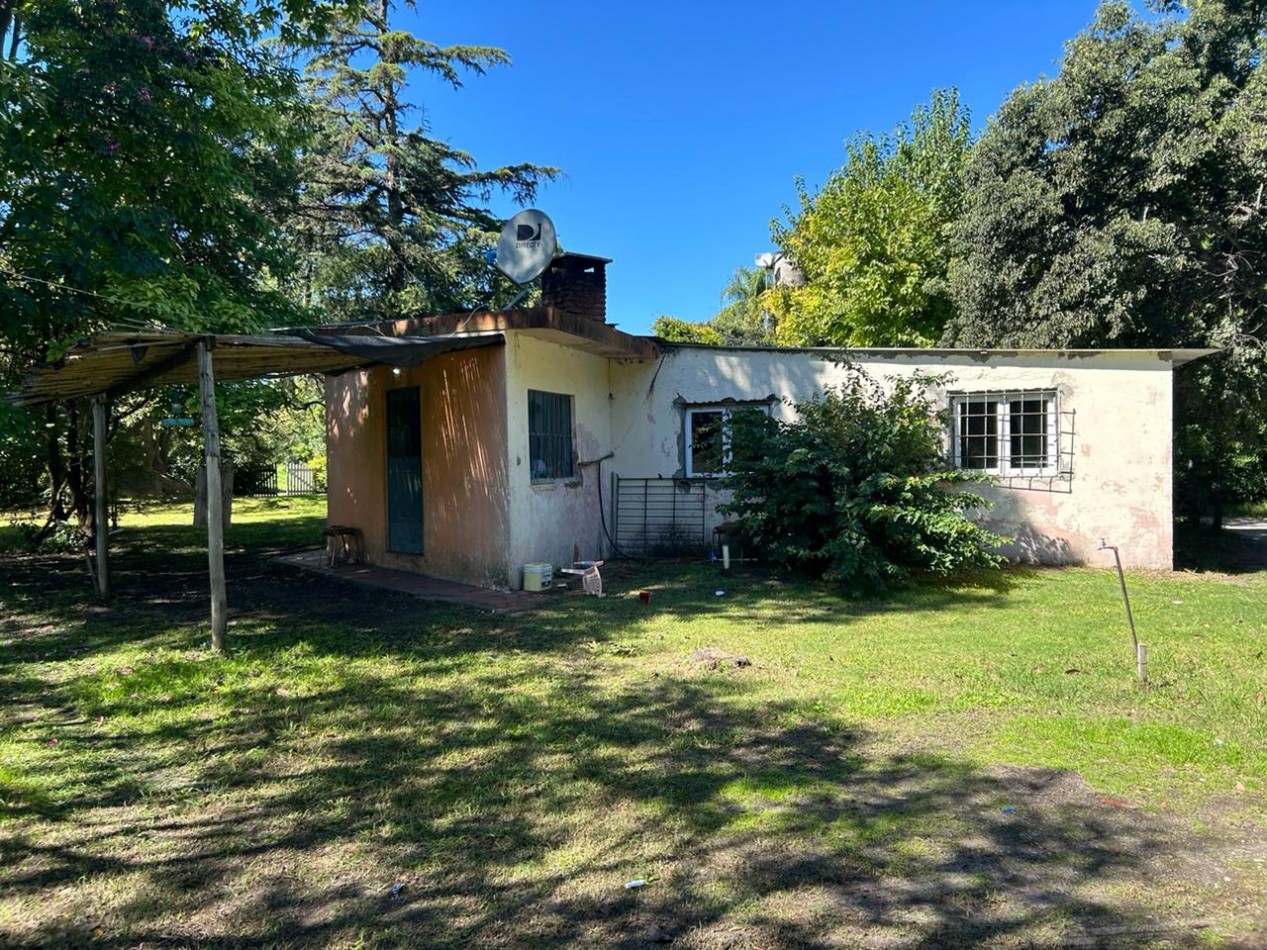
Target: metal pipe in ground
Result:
[1141, 652]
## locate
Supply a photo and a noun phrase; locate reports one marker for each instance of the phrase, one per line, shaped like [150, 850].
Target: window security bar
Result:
[1021, 437]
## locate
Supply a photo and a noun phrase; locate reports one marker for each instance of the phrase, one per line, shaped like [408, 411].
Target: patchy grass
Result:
[1248, 509]
[965, 765]
[256, 524]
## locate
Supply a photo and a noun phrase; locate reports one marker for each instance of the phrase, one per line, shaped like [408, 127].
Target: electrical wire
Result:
[467, 319]
[125, 323]
[602, 510]
[602, 516]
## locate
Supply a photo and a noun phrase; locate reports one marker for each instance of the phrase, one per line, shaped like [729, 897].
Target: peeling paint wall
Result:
[1120, 490]
[485, 517]
[355, 469]
[466, 523]
[549, 520]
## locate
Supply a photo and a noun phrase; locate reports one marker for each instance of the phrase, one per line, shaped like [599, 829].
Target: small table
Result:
[587, 571]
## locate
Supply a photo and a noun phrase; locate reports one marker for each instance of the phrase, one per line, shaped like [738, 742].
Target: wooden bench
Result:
[344, 545]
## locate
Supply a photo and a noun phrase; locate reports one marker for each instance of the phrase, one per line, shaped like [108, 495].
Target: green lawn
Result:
[960, 765]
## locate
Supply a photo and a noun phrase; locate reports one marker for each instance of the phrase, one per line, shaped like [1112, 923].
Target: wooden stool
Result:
[343, 545]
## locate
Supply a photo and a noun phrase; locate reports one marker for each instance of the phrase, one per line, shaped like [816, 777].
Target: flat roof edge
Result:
[1176, 356]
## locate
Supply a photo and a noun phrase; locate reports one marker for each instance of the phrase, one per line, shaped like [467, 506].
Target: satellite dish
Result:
[526, 246]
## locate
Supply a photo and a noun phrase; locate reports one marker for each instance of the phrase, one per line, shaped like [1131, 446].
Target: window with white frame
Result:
[1011, 433]
[549, 435]
[709, 438]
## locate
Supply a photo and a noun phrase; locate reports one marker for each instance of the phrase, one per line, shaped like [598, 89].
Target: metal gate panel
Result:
[661, 516]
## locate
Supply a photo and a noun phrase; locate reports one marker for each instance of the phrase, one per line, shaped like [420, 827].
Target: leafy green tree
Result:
[743, 319]
[873, 244]
[147, 159]
[149, 155]
[1122, 204]
[856, 491]
[393, 220]
[21, 455]
[263, 422]
[673, 330]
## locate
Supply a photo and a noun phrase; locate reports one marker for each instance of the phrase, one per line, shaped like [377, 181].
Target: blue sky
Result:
[680, 127]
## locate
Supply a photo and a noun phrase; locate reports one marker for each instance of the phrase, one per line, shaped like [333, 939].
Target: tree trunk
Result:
[397, 272]
[56, 470]
[10, 22]
[77, 462]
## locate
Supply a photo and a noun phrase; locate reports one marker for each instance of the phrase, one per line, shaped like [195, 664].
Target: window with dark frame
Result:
[549, 436]
[708, 438]
[1006, 433]
[705, 442]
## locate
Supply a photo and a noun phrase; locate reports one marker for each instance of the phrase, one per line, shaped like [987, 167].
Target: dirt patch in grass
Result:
[1006, 857]
[903, 855]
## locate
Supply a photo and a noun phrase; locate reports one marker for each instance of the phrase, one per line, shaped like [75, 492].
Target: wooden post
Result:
[101, 513]
[215, 520]
[227, 473]
[200, 497]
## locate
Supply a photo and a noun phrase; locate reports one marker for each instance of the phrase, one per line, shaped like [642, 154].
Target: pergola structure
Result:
[110, 364]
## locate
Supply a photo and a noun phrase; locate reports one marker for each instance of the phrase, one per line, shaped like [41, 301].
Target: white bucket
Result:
[538, 577]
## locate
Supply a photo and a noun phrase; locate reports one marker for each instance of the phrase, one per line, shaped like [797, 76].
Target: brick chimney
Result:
[577, 284]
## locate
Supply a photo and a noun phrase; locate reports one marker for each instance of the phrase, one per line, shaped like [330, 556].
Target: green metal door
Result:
[404, 471]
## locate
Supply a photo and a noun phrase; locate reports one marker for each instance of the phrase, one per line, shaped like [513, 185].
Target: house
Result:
[551, 435]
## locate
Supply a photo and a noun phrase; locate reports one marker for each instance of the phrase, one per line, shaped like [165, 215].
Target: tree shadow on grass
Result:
[498, 787]
[509, 809]
[1230, 550]
[158, 584]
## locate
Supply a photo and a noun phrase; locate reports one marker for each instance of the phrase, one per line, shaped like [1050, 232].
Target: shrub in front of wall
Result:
[856, 491]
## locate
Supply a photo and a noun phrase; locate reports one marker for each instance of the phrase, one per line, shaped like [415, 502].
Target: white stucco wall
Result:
[1121, 404]
[548, 521]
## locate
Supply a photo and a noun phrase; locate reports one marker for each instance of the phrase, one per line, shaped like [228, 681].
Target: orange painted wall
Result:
[464, 480]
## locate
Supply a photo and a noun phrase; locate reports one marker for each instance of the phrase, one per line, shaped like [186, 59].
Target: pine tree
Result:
[393, 220]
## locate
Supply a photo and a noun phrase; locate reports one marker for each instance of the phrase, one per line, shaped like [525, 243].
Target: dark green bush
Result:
[857, 491]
